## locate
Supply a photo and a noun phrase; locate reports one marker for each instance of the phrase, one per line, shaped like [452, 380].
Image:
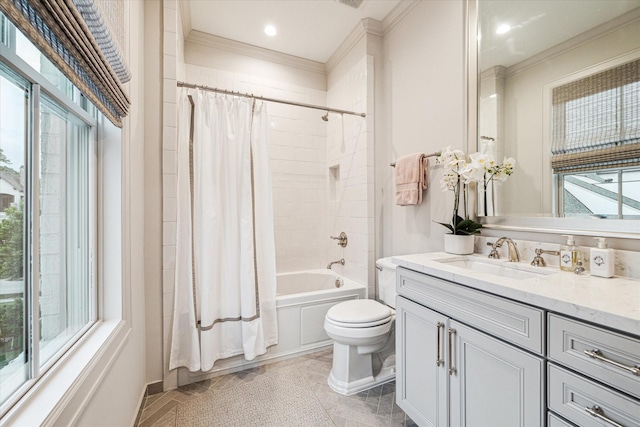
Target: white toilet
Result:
[363, 333]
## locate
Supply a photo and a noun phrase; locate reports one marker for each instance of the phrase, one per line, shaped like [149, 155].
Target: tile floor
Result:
[375, 407]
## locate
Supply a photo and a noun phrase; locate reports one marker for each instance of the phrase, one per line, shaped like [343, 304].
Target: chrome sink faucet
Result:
[514, 255]
[341, 262]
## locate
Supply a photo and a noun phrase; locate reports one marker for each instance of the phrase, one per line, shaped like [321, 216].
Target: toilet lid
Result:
[359, 311]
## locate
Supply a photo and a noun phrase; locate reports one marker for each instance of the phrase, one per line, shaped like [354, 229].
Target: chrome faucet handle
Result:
[579, 267]
[342, 239]
[538, 261]
[494, 253]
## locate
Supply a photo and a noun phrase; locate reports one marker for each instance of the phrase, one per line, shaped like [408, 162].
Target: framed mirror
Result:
[559, 91]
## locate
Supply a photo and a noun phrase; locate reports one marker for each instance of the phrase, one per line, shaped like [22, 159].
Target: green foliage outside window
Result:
[12, 243]
[11, 330]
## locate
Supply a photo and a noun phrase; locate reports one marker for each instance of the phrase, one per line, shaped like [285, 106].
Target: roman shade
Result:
[596, 121]
[73, 35]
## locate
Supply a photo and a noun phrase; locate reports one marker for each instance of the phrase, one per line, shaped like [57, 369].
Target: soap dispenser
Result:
[568, 254]
[602, 259]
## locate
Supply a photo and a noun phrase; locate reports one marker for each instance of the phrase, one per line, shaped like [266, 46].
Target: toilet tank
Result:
[386, 281]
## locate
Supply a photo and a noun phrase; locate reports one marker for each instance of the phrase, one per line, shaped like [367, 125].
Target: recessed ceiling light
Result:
[270, 30]
[504, 28]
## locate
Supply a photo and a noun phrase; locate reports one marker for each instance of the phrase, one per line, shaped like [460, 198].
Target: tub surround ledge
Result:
[613, 302]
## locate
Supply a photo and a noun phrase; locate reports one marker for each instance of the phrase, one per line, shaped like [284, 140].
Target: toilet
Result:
[363, 333]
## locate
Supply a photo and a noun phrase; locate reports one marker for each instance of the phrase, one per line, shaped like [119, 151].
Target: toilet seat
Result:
[364, 313]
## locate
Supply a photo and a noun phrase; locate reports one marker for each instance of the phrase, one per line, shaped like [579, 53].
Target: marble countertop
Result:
[612, 302]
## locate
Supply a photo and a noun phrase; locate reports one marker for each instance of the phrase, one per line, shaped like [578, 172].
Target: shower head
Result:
[326, 117]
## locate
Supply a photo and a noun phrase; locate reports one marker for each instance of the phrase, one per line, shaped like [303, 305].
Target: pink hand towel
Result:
[411, 179]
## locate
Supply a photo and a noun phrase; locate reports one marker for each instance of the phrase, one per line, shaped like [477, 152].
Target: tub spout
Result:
[341, 262]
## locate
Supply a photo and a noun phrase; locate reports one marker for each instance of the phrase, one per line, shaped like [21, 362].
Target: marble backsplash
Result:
[627, 263]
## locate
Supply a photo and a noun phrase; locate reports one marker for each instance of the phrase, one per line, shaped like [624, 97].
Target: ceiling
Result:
[314, 29]
[310, 29]
[537, 25]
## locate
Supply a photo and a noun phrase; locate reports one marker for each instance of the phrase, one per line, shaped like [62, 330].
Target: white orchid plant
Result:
[459, 172]
[484, 170]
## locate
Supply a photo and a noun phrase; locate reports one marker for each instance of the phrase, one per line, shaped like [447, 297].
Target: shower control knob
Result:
[342, 239]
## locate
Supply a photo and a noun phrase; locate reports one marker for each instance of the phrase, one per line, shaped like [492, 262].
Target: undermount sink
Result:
[502, 268]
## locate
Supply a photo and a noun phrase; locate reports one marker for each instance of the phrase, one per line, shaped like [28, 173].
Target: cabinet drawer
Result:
[569, 339]
[572, 396]
[517, 323]
[555, 421]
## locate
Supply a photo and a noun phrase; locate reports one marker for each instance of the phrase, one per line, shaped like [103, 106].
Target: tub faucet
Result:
[514, 255]
[341, 262]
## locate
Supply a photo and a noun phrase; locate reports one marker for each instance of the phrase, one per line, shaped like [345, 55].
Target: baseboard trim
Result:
[155, 388]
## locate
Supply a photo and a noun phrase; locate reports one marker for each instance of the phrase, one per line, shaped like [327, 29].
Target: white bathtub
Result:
[303, 299]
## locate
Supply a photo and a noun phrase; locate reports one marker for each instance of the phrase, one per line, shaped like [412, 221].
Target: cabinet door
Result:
[493, 383]
[421, 381]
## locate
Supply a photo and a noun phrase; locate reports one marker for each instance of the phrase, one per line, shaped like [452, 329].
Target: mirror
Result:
[525, 49]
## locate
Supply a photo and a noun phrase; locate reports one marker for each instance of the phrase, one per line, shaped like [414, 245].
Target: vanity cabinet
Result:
[454, 367]
[605, 387]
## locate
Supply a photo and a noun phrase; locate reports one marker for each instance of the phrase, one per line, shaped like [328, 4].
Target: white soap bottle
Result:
[568, 254]
[601, 260]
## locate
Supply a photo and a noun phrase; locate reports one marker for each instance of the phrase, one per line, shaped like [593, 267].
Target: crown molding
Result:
[185, 17]
[204, 39]
[397, 13]
[497, 71]
[586, 37]
[367, 26]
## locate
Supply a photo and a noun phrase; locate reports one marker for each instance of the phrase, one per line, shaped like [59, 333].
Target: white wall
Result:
[153, 86]
[172, 63]
[114, 398]
[421, 110]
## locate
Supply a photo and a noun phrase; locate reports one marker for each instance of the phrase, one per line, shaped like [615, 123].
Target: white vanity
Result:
[488, 343]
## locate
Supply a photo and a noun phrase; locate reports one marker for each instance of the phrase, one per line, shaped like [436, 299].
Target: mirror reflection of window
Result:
[596, 143]
[546, 45]
[602, 194]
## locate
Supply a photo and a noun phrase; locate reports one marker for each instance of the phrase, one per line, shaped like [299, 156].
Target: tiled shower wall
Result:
[350, 159]
[297, 158]
[173, 65]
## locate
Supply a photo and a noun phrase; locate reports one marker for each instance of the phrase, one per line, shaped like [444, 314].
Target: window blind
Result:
[73, 36]
[596, 121]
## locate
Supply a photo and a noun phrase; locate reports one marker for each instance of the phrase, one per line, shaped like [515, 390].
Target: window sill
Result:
[61, 394]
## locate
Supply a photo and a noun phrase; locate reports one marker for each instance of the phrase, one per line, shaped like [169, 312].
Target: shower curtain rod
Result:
[262, 98]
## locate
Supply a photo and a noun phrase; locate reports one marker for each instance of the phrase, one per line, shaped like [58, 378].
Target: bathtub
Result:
[302, 300]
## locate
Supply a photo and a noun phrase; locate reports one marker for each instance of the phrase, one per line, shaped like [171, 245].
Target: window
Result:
[48, 190]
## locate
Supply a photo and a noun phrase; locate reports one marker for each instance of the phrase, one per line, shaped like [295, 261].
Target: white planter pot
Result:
[459, 245]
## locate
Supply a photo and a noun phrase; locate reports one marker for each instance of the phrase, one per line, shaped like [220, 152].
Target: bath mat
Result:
[280, 399]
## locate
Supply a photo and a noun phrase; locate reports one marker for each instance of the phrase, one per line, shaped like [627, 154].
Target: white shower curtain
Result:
[225, 252]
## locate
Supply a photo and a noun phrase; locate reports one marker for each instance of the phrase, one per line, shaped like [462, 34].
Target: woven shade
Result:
[623, 155]
[596, 121]
[59, 30]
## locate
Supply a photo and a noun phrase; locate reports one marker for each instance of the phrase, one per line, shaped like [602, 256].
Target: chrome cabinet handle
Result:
[597, 354]
[439, 361]
[597, 412]
[452, 369]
